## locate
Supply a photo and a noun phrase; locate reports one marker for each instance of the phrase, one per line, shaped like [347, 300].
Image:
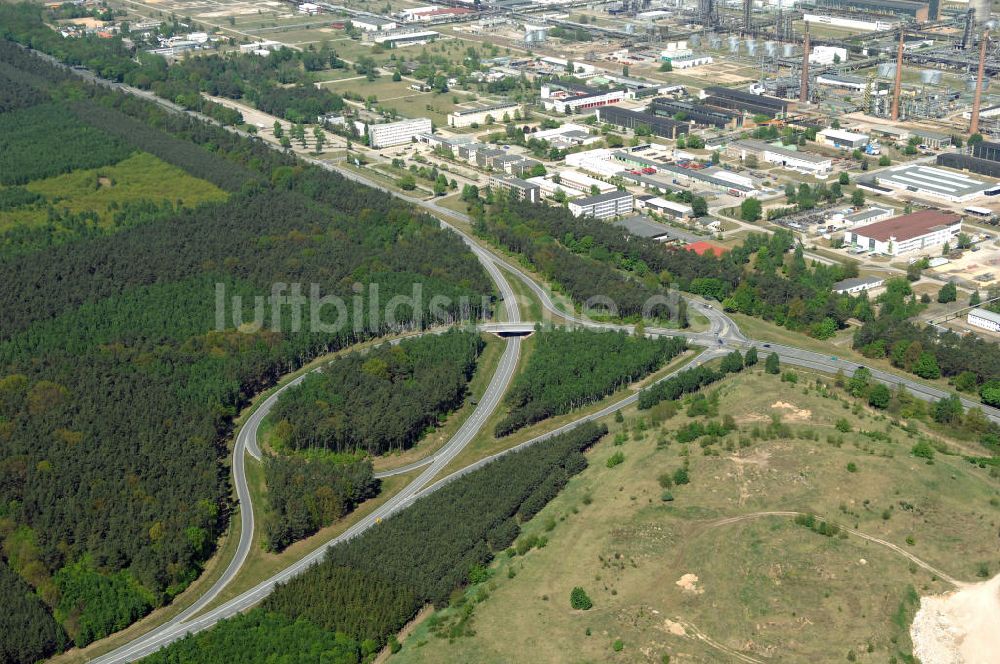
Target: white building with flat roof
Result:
[550, 188]
[838, 138]
[910, 232]
[397, 133]
[584, 182]
[373, 23]
[603, 206]
[954, 186]
[984, 318]
[857, 285]
[827, 55]
[595, 161]
[478, 116]
[669, 208]
[794, 160]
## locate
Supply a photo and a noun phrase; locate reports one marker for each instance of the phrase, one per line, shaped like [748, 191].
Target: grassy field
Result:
[141, 177]
[711, 576]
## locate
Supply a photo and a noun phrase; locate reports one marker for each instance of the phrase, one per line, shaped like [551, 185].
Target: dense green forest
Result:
[262, 636]
[279, 84]
[117, 383]
[28, 632]
[366, 589]
[379, 401]
[589, 258]
[25, 132]
[305, 494]
[571, 368]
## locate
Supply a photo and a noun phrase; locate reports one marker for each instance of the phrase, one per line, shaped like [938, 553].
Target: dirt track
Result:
[944, 576]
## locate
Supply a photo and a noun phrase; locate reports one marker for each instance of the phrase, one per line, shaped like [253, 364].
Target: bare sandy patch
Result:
[674, 628]
[959, 627]
[795, 413]
[689, 583]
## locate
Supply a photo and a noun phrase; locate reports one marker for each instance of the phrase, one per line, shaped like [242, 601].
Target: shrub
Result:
[923, 450]
[618, 645]
[665, 480]
[579, 600]
[681, 476]
[852, 467]
[615, 459]
[773, 364]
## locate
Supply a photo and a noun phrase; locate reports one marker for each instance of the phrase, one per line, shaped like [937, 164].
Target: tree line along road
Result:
[723, 336]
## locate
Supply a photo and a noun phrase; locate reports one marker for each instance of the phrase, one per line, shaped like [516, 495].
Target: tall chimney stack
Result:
[974, 125]
[897, 88]
[804, 84]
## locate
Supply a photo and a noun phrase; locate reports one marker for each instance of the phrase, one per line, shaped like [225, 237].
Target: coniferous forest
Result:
[571, 368]
[305, 494]
[380, 401]
[118, 385]
[368, 588]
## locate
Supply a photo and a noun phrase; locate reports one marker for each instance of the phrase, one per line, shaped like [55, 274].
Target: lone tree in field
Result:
[579, 600]
[750, 210]
[879, 397]
[773, 364]
[948, 293]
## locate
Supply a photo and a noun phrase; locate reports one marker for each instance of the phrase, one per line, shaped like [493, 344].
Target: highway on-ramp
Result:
[723, 336]
[246, 443]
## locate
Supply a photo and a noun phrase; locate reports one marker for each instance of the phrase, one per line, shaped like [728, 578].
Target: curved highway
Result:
[722, 337]
[246, 442]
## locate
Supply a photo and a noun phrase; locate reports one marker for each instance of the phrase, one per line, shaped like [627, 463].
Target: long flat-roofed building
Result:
[794, 160]
[984, 318]
[603, 206]
[868, 216]
[629, 119]
[517, 188]
[738, 100]
[917, 11]
[699, 113]
[949, 185]
[906, 233]
[397, 133]
[584, 102]
[470, 116]
[372, 23]
[857, 285]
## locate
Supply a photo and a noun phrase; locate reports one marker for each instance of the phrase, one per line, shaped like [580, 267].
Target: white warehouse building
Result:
[827, 55]
[470, 116]
[984, 318]
[838, 138]
[397, 133]
[794, 160]
[373, 23]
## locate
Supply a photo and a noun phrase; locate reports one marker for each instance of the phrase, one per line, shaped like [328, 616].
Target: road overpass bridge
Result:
[506, 330]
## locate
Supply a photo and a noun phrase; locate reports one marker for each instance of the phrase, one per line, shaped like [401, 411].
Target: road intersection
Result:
[722, 337]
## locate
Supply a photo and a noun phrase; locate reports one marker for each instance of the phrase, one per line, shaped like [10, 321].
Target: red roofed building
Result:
[906, 233]
[701, 247]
